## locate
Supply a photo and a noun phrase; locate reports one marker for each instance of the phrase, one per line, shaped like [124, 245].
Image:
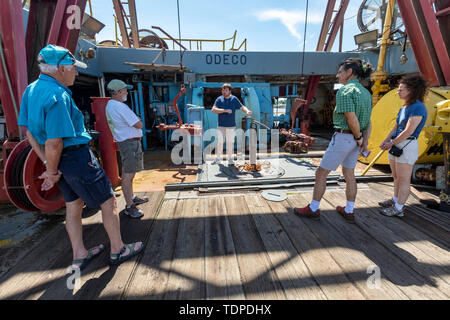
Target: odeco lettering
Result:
[226, 59]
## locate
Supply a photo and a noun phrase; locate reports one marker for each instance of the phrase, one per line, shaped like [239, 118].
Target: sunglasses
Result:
[68, 53]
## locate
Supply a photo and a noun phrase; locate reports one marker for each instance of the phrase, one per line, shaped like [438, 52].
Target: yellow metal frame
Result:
[381, 75]
[441, 118]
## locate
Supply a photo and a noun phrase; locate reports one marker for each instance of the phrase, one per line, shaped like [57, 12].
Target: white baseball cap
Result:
[117, 85]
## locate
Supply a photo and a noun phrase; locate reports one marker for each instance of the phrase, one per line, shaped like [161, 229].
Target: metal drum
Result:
[45, 201]
[22, 183]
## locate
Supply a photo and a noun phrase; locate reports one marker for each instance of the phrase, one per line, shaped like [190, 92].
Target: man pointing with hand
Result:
[226, 106]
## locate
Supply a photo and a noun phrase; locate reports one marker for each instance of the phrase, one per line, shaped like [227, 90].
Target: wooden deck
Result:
[240, 246]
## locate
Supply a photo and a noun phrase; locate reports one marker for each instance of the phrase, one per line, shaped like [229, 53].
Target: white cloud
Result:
[290, 19]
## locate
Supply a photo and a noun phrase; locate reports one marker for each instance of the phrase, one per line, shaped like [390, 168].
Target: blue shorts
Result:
[83, 177]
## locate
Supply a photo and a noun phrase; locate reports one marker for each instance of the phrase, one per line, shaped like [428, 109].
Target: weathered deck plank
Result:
[187, 269]
[294, 275]
[100, 280]
[373, 224]
[47, 264]
[132, 231]
[437, 252]
[151, 277]
[244, 247]
[222, 274]
[351, 259]
[256, 269]
[391, 267]
[439, 218]
[324, 269]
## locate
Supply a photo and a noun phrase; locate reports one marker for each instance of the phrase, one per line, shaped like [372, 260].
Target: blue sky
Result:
[268, 25]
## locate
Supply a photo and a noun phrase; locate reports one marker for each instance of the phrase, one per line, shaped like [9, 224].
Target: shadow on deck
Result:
[244, 247]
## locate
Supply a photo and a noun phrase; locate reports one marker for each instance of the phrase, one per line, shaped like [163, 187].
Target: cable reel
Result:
[22, 183]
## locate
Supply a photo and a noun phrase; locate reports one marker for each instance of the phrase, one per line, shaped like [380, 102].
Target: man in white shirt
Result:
[126, 128]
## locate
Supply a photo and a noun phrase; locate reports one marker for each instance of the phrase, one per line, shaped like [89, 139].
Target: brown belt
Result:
[134, 139]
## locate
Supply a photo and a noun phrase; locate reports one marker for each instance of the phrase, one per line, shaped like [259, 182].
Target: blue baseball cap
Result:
[59, 56]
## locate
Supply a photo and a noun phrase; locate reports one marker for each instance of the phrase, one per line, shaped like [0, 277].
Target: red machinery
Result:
[327, 37]
[429, 37]
[192, 129]
[22, 167]
[108, 147]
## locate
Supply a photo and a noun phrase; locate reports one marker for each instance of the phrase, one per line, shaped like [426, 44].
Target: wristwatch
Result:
[359, 138]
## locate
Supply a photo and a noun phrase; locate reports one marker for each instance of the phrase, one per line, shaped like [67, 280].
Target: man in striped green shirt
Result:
[352, 131]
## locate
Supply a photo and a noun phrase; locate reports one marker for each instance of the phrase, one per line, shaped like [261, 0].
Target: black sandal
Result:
[85, 262]
[118, 258]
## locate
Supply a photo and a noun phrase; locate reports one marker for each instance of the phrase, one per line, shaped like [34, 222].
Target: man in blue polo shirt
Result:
[226, 106]
[55, 129]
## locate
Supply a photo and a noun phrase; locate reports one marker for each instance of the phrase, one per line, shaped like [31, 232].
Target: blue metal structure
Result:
[257, 96]
[112, 59]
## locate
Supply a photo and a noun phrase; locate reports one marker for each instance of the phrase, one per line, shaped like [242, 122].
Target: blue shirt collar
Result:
[51, 79]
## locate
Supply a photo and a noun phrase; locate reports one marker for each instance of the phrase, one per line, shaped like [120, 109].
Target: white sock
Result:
[349, 208]
[134, 197]
[399, 206]
[395, 199]
[314, 205]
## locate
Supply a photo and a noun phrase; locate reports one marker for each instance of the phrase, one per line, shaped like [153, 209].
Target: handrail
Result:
[199, 42]
[171, 38]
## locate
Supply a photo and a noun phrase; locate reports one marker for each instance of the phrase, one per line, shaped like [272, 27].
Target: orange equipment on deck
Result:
[192, 129]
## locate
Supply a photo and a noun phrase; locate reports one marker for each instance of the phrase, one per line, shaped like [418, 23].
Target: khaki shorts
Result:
[132, 156]
[343, 150]
[410, 152]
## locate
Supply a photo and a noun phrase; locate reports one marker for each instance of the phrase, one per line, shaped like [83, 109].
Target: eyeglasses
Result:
[64, 56]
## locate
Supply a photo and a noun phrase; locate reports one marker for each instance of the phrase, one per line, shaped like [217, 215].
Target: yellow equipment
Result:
[384, 117]
[380, 75]
[441, 118]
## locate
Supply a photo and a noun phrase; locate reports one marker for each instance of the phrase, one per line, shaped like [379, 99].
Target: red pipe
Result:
[13, 42]
[15, 68]
[437, 41]
[183, 90]
[414, 29]
[108, 148]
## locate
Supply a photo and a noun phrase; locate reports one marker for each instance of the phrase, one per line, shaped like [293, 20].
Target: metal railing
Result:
[198, 43]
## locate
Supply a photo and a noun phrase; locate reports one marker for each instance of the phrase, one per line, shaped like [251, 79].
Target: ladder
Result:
[127, 19]
[331, 26]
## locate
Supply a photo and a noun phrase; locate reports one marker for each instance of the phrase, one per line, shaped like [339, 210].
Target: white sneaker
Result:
[393, 212]
[230, 162]
[387, 203]
[217, 161]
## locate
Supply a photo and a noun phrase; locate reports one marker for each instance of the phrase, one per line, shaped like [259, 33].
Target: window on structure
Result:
[211, 94]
